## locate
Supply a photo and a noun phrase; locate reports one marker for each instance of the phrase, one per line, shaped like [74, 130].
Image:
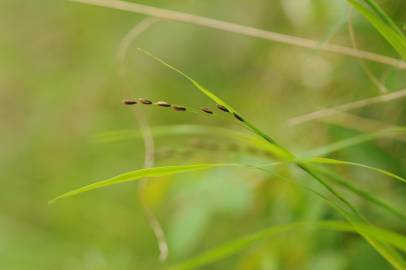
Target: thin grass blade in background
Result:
[368, 196]
[355, 140]
[384, 25]
[234, 135]
[233, 247]
[322, 160]
[378, 10]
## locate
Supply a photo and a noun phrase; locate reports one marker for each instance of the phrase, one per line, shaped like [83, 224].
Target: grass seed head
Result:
[163, 104]
[179, 108]
[221, 107]
[238, 117]
[129, 102]
[206, 110]
[145, 101]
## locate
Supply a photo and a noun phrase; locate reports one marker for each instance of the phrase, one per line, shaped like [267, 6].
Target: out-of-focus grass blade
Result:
[354, 217]
[390, 254]
[360, 192]
[139, 174]
[194, 129]
[396, 39]
[333, 31]
[230, 248]
[323, 160]
[248, 138]
[130, 134]
[236, 246]
[348, 185]
[337, 146]
[390, 237]
[378, 10]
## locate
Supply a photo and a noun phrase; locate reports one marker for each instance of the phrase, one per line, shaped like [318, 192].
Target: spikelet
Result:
[163, 104]
[206, 110]
[145, 101]
[129, 102]
[221, 107]
[178, 108]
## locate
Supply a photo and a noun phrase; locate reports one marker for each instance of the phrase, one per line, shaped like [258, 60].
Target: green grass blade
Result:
[354, 217]
[139, 174]
[150, 173]
[233, 247]
[382, 14]
[386, 251]
[395, 239]
[396, 39]
[322, 160]
[230, 248]
[346, 183]
[340, 145]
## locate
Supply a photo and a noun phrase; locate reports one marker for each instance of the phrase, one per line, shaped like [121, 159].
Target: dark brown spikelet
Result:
[179, 108]
[145, 101]
[206, 110]
[163, 104]
[221, 107]
[129, 102]
[238, 117]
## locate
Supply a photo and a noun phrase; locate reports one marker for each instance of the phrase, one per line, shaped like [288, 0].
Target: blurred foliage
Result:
[59, 88]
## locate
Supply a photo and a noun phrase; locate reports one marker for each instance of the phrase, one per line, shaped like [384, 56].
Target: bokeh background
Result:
[59, 89]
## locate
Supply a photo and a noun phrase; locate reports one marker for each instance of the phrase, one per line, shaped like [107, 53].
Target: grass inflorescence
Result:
[181, 108]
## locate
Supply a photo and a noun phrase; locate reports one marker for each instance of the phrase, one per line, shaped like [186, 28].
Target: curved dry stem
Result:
[149, 160]
[244, 30]
[126, 42]
[142, 122]
[346, 107]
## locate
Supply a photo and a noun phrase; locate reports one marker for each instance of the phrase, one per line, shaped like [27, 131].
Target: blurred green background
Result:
[59, 89]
